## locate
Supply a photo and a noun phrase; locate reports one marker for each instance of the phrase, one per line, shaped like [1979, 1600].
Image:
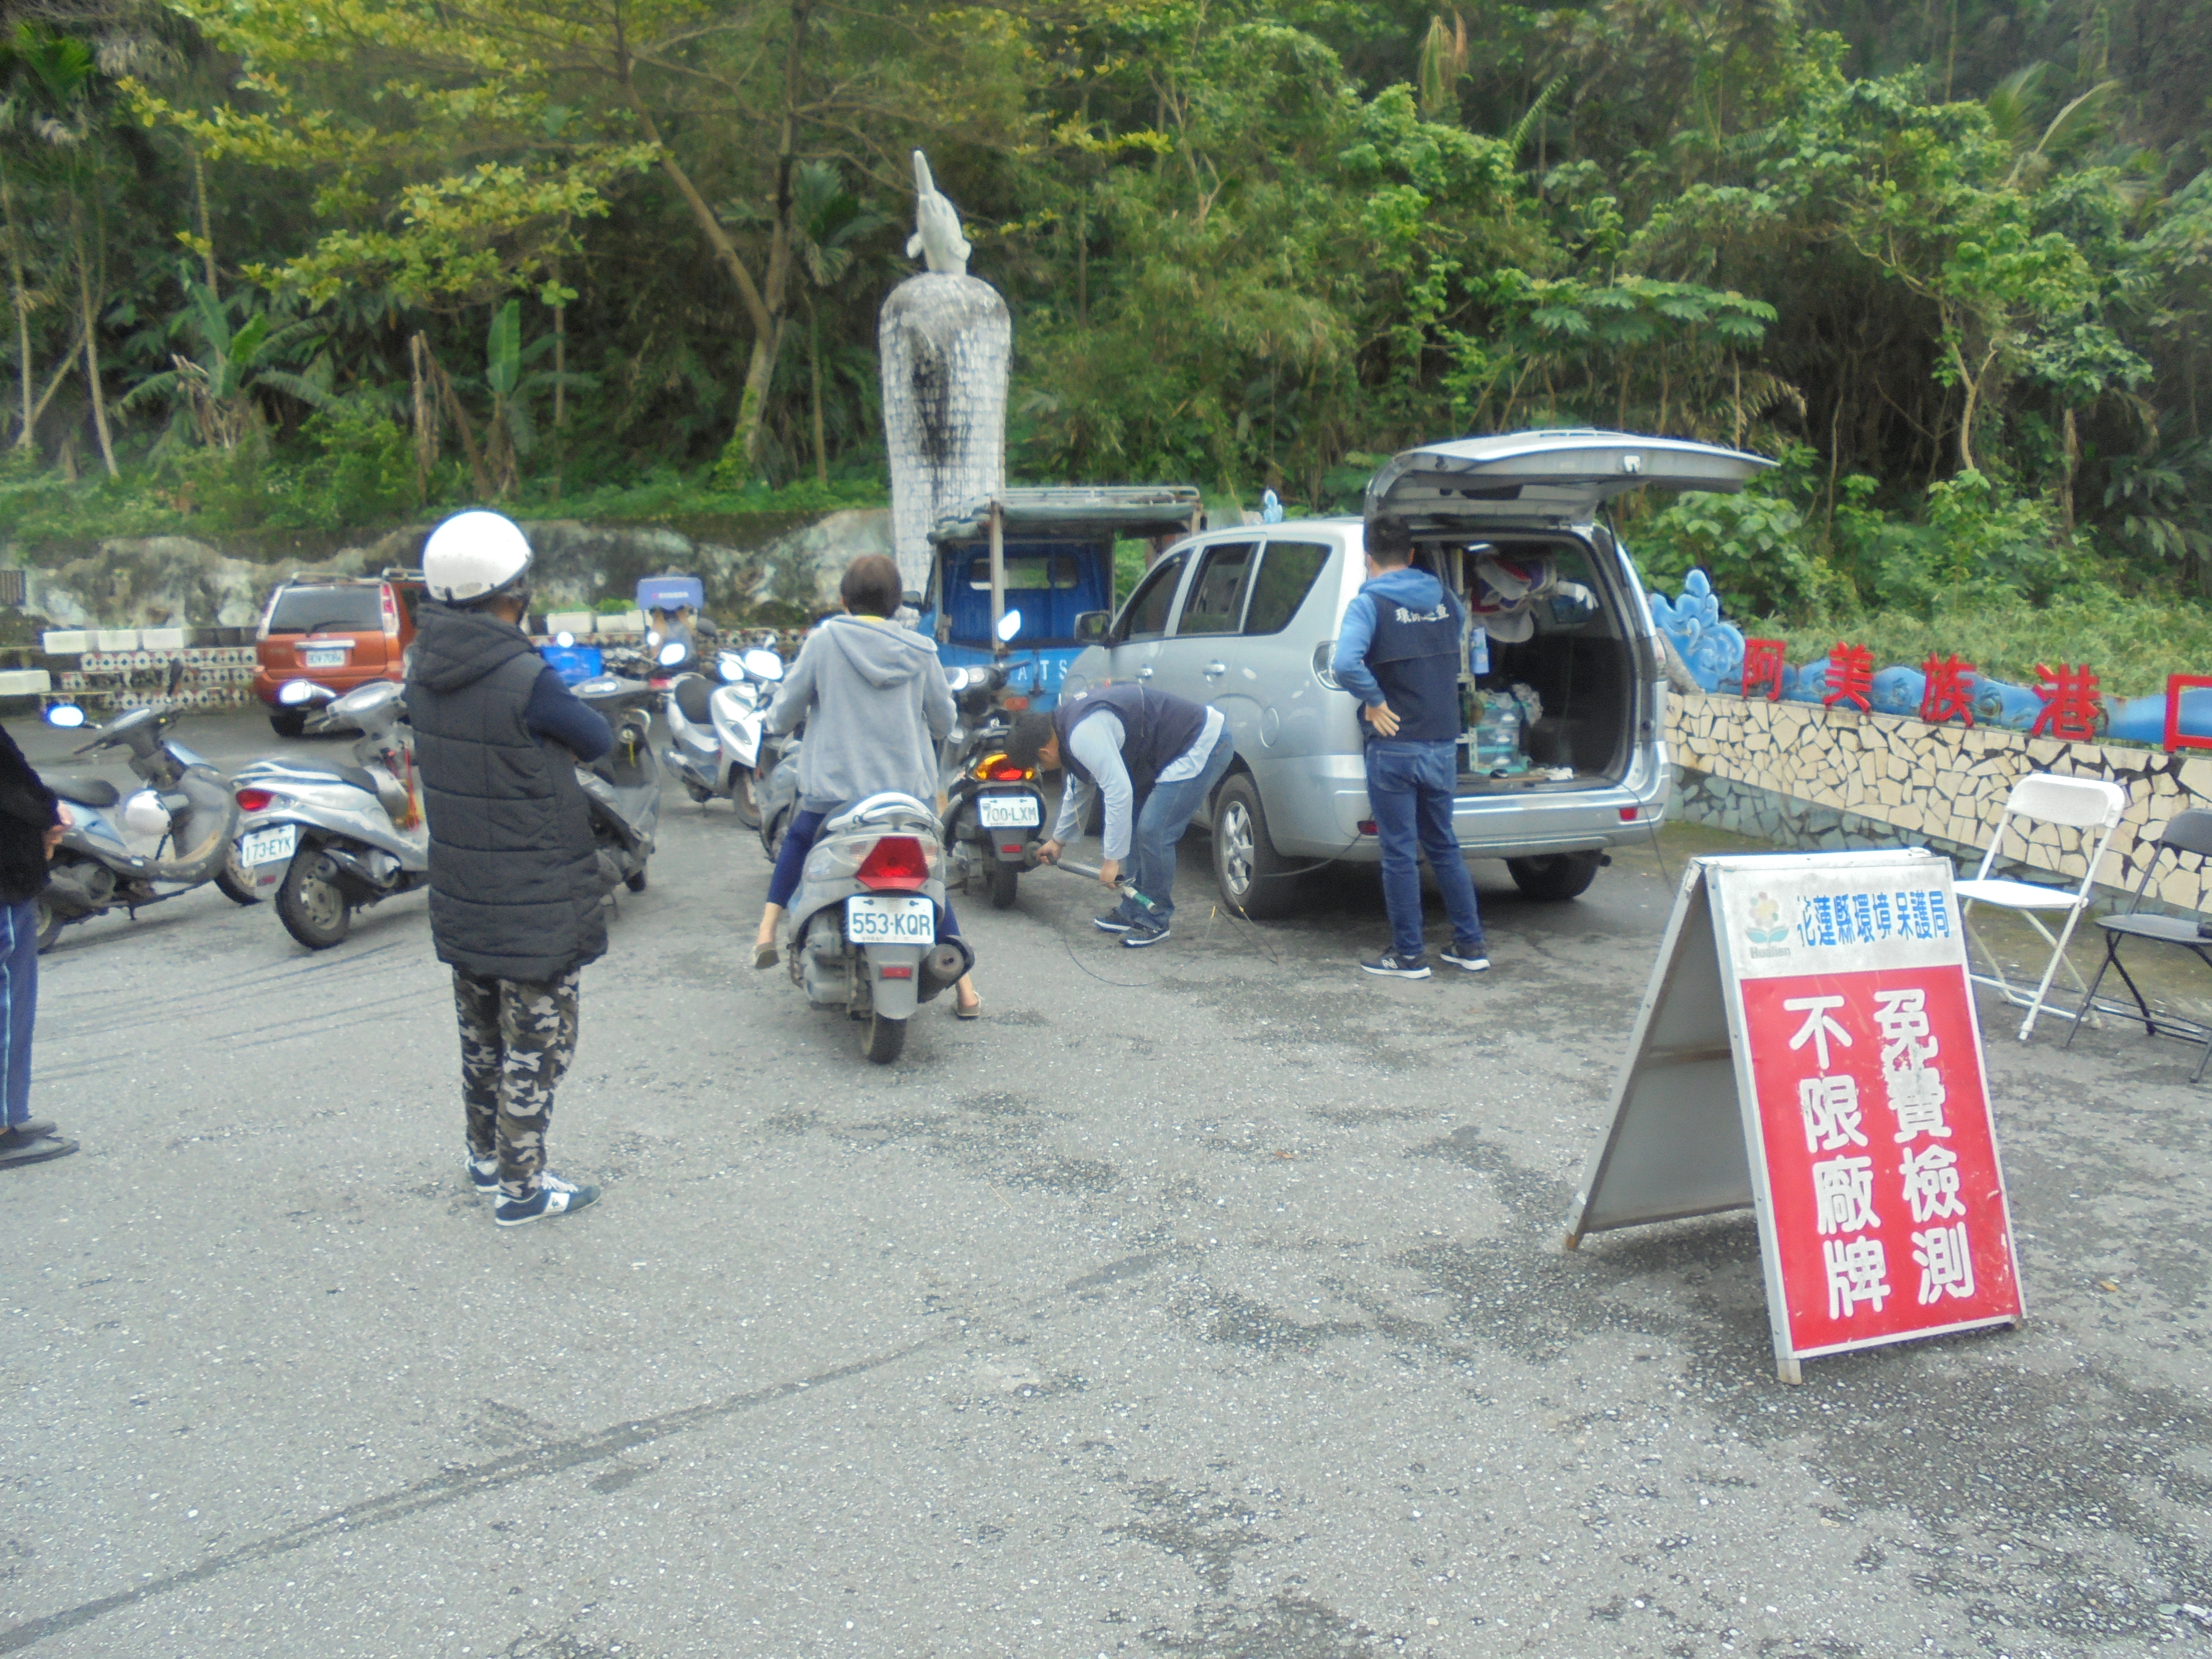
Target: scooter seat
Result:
[359, 776]
[692, 695]
[85, 792]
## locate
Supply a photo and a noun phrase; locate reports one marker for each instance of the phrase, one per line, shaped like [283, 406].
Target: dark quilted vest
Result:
[514, 891]
[1156, 726]
[1415, 657]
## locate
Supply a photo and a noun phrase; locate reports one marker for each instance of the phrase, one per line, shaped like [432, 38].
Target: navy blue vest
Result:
[1415, 657]
[1156, 728]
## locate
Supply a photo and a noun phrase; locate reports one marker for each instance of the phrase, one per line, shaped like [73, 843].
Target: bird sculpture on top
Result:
[947, 340]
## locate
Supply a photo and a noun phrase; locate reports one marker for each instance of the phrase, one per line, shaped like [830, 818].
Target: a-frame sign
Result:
[1807, 1048]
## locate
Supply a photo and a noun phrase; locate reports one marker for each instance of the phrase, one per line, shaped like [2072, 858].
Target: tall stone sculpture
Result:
[946, 340]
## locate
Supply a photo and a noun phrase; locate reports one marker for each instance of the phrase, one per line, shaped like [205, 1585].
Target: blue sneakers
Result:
[554, 1196]
[483, 1174]
[1143, 933]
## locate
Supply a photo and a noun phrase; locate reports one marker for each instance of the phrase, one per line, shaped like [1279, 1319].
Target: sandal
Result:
[764, 956]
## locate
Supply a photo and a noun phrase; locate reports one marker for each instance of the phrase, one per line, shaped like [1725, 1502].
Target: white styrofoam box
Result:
[116, 639]
[66, 643]
[569, 622]
[629, 622]
[160, 639]
[24, 681]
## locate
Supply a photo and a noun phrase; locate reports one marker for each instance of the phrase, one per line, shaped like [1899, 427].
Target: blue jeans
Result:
[19, 1005]
[1160, 822]
[791, 865]
[1409, 791]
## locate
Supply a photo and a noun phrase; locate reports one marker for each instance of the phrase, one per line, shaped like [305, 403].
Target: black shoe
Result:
[1392, 966]
[1468, 957]
[16, 1147]
[1112, 922]
[1143, 933]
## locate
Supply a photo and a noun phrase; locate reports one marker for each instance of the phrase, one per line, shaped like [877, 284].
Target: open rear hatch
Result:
[1557, 663]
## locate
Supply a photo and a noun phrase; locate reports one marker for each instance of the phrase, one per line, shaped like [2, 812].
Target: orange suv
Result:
[338, 631]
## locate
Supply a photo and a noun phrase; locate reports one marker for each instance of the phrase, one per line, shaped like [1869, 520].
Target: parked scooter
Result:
[860, 933]
[994, 810]
[184, 803]
[623, 786]
[714, 748]
[328, 839]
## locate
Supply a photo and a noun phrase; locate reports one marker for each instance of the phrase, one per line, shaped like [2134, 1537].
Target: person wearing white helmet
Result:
[514, 888]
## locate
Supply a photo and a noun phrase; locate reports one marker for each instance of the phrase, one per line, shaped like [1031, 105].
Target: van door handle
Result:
[1213, 668]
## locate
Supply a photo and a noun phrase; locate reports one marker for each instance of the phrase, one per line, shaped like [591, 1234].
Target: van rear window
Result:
[302, 610]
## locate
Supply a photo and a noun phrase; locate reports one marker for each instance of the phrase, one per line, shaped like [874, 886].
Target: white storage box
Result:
[629, 622]
[115, 639]
[24, 681]
[160, 639]
[66, 643]
[569, 622]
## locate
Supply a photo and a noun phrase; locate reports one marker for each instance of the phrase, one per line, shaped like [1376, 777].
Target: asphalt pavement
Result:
[1200, 1300]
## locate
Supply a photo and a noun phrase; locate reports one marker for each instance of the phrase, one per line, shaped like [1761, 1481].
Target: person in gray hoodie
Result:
[876, 706]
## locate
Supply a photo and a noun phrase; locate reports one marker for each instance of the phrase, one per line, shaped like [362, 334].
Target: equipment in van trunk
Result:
[1247, 620]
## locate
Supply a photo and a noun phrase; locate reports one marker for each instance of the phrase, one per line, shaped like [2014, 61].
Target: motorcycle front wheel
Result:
[744, 796]
[882, 1038]
[232, 881]
[50, 926]
[310, 907]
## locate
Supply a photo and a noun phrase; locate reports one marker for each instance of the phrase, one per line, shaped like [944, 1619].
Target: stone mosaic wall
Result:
[1803, 776]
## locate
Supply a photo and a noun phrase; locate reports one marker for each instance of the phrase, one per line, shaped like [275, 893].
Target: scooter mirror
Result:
[765, 664]
[564, 639]
[672, 653]
[1010, 624]
[65, 715]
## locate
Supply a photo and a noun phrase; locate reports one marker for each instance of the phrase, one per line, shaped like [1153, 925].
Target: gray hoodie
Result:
[876, 706]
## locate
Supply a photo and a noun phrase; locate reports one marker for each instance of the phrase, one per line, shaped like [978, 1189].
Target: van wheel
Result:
[1562, 876]
[882, 1038]
[288, 722]
[1246, 867]
[310, 905]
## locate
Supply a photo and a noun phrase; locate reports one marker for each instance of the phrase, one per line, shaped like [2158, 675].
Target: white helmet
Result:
[472, 554]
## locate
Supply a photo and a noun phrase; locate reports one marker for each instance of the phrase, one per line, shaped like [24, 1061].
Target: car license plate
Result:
[269, 845]
[332, 656]
[1009, 812]
[870, 920]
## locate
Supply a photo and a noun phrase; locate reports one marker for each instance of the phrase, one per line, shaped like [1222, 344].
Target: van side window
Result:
[1286, 576]
[1146, 616]
[1217, 593]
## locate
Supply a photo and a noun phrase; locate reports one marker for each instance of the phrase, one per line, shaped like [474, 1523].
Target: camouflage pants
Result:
[517, 1040]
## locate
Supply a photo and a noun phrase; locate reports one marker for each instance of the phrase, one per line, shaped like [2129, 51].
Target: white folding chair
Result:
[2087, 805]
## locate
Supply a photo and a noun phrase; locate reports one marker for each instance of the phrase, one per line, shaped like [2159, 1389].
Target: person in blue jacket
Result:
[1399, 652]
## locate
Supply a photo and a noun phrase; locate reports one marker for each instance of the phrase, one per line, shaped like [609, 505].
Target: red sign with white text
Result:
[1889, 1214]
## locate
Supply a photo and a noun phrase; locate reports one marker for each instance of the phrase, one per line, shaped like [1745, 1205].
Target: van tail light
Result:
[390, 605]
[894, 864]
[1367, 826]
[254, 800]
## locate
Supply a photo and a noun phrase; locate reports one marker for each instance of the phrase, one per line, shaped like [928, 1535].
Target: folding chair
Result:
[2083, 804]
[2189, 832]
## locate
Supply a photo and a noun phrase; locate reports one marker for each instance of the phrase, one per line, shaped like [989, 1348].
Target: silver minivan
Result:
[1247, 620]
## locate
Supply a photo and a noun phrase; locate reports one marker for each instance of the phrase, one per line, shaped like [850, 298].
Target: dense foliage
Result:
[330, 261]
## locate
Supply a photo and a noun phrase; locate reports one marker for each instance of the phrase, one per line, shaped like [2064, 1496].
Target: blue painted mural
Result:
[1714, 651]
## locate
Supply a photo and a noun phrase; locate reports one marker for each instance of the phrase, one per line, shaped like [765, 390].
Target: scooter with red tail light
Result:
[862, 932]
[993, 808]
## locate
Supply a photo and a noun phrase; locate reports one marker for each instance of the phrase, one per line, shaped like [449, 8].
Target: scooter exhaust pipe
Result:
[946, 962]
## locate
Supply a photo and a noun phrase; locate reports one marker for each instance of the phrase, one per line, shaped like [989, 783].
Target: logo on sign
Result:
[1767, 927]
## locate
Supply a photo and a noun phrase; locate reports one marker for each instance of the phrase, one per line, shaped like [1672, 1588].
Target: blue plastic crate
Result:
[573, 663]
